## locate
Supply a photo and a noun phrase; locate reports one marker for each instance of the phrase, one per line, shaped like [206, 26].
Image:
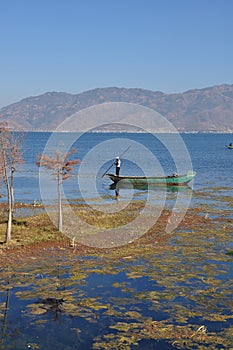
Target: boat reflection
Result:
[124, 185]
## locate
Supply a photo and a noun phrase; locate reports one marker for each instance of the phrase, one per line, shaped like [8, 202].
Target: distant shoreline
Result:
[125, 132]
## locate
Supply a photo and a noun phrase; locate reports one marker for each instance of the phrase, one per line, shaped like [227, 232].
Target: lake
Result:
[209, 158]
[173, 291]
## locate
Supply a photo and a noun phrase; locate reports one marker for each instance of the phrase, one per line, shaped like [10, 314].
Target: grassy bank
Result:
[36, 230]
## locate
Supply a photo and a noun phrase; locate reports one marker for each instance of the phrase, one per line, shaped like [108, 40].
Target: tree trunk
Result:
[9, 221]
[12, 191]
[59, 202]
[9, 197]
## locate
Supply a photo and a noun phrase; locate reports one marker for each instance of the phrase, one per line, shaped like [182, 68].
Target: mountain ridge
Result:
[209, 109]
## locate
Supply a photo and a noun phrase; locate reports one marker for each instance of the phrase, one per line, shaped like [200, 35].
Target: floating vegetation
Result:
[162, 291]
[230, 252]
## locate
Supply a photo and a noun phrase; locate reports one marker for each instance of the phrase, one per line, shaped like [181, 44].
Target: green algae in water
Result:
[230, 253]
[178, 291]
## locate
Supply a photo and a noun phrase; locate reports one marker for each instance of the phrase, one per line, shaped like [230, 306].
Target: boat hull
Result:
[154, 180]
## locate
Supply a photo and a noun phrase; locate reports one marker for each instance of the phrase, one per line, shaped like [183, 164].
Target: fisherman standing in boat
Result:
[118, 165]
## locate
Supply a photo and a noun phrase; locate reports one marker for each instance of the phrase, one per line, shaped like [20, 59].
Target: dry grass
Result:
[30, 230]
[33, 232]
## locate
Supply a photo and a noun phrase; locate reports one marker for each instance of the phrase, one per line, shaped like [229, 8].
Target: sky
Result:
[78, 45]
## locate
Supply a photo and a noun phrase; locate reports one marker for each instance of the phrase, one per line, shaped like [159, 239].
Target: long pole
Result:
[114, 161]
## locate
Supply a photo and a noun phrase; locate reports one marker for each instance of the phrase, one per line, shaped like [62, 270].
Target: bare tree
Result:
[62, 168]
[10, 157]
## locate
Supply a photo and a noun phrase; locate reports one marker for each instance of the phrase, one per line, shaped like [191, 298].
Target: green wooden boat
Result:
[229, 147]
[173, 180]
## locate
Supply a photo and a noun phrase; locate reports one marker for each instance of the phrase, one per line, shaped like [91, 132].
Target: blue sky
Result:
[78, 45]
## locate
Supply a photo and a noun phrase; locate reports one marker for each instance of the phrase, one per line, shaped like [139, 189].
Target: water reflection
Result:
[5, 307]
[165, 291]
[142, 190]
[146, 187]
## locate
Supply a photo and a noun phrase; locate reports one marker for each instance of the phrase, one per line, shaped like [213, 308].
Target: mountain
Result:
[205, 110]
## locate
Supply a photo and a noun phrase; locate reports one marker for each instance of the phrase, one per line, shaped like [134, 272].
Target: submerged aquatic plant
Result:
[171, 288]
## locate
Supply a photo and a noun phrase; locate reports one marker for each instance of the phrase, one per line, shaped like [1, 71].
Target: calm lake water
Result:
[172, 295]
[210, 159]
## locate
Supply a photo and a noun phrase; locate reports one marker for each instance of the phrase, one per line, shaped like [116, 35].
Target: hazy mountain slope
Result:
[209, 109]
